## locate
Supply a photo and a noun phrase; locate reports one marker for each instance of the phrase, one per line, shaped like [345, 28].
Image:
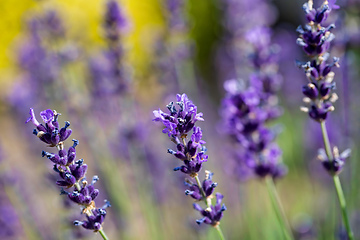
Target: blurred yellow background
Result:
[84, 17]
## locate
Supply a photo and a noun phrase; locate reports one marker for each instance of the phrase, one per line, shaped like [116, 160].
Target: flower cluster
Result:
[247, 109]
[178, 123]
[265, 78]
[114, 21]
[245, 120]
[108, 76]
[71, 172]
[315, 39]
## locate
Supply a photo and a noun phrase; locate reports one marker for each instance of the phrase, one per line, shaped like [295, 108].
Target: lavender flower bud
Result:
[213, 215]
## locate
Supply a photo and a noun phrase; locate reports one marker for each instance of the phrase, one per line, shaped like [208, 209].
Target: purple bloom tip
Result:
[47, 115]
[332, 4]
[32, 118]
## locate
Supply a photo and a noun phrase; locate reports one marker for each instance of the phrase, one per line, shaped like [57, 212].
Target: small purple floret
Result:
[47, 115]
[213, 215]
[32, 118]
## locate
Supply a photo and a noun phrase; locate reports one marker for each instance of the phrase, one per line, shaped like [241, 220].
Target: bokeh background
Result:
[53, 54]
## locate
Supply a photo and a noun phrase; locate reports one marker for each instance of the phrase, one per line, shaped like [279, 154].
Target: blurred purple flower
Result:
[114, 21]
[175, 14]
[40, 62]
[244, 114]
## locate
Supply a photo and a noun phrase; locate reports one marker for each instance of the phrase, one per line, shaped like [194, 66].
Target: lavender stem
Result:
[279, 210]
[326, 140]
[201, 190]
[221, 235]
[342, 202]
[337, 184]
[102, 233]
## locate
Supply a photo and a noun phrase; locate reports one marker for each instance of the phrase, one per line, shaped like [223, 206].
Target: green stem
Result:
[221, 235]
[276, 203]
[337, 183]
[102, 233]
[201, 189]
[342, 202]
[326, 141]
[217, 227]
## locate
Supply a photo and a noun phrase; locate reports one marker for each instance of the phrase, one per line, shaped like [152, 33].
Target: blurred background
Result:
[106, 78]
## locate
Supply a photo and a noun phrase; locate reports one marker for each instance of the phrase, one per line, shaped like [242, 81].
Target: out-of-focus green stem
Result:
[337, 183]
[221, 235]
[276, 203]
[326, 141]
[342, 202]
[217, 227]
[102, 233]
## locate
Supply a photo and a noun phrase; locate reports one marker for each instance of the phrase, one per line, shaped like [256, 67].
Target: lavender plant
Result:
[246, 111]
[39, 65]
[315, 39]
[71, 172]
[108, 76]
[173, 49]
[179, 122]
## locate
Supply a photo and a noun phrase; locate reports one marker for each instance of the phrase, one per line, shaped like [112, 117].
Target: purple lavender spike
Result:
[71, 172]
[179, 120]
[315, 38]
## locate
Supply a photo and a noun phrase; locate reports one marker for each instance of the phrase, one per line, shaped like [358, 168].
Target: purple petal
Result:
[32, 118]
[47, 115]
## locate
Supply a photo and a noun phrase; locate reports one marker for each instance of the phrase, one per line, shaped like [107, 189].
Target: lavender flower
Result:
[244, 115]
[315, 39]
[114, 21]
[173, 49]
[41, 57]
[240, 18]
[49, 133]
[72, 172]
[108, 75]
[179, 122]
[115, 24]
[213, 214]
[336, 164]
[207, 185]
[249, 105]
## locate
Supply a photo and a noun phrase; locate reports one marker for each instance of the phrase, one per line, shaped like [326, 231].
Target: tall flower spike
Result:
[247, 108]
[244, 117]
[315, 39]
[179, 121]
[72, 172]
